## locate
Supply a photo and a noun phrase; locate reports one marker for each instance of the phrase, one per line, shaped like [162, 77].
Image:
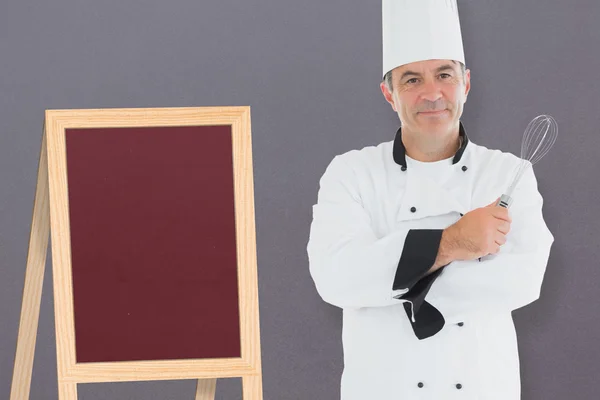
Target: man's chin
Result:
[435, 123]
[433, 126]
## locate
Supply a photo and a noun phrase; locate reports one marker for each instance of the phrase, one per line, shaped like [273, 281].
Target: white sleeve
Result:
[508, 280]
[350, 266]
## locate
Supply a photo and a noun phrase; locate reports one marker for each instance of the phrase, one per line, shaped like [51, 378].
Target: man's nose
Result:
[431, 91]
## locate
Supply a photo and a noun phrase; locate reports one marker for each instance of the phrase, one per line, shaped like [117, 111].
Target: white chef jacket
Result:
[463, 343]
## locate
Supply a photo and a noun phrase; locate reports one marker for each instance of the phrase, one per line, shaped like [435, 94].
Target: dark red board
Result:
[153, 243]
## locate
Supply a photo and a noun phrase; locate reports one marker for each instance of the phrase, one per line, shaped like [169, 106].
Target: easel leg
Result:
[252, 387]
[34, 279]
[67, 391]
[206, 389]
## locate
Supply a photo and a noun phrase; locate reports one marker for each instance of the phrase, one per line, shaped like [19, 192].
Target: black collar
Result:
[399, 150]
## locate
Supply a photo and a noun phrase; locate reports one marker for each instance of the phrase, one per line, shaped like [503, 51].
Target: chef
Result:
[407, 240]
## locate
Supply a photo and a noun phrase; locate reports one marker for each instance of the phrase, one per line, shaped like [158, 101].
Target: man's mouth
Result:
[438, 112]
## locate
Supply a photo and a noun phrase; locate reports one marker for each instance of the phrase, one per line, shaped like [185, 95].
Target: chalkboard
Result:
[153, 246]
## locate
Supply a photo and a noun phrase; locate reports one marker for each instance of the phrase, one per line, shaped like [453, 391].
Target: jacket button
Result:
[460, 323]
[403, 168]
[413, 209]
[461, 214]
[458, 386]
[464, 168]
[420, 384]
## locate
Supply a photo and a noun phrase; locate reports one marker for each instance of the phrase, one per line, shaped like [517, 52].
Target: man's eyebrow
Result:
[444, 68]
[407, 73]
[441, 68]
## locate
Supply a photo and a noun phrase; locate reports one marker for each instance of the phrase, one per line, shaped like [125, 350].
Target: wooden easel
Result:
[249, 367]
[34, 279]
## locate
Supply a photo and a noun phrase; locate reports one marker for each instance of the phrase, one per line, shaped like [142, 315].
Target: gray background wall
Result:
[310, 72]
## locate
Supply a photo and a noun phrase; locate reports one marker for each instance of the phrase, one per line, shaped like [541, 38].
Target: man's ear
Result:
[467, 83]
[387, 94]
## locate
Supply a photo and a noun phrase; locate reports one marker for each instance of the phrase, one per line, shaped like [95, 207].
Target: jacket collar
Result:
[399, 150]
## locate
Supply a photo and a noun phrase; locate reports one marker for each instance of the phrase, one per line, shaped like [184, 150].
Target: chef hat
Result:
[417, 30]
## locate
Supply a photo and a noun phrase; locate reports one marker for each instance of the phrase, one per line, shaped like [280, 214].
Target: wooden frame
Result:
[51, 215]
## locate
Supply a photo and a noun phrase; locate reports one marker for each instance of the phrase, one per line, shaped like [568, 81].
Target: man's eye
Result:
[445, 76]
[412, 80]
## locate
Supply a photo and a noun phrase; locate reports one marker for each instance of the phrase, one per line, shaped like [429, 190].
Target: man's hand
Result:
[478, 233]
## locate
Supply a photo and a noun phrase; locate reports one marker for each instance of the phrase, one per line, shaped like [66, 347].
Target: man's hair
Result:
[388, 76]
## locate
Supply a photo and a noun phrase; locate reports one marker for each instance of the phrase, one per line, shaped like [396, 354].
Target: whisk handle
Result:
[505, 201]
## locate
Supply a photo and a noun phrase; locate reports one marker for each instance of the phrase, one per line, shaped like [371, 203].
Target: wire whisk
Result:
[538, 139]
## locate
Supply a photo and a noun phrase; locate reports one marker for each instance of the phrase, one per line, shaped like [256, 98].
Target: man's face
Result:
[428, 96]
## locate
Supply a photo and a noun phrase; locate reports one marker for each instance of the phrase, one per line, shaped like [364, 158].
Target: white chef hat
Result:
[417, 30]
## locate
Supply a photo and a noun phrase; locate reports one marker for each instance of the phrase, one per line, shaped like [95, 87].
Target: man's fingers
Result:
[501, 213]
[504, 227]
[494, 203]
[499, 238]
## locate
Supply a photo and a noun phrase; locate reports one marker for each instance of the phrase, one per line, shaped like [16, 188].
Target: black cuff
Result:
[418, 256]
[428, 321]
[419, 291]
